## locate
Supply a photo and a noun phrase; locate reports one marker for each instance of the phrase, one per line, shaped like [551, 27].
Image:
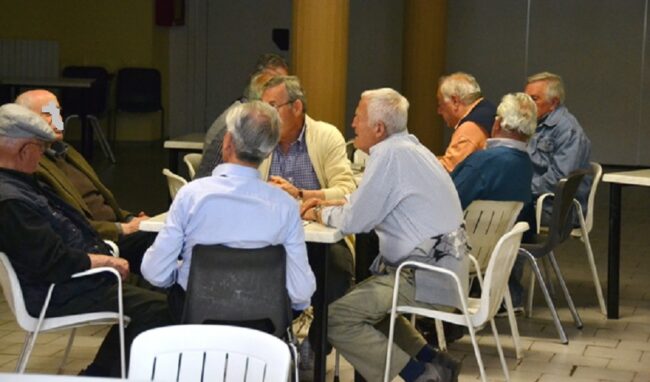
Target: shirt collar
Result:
[469, 110]
[506, 142]
[553, 118]
[232, 169]
[400, 135]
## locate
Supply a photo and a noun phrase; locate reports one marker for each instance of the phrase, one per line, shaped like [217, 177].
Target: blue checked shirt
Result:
[295, 166]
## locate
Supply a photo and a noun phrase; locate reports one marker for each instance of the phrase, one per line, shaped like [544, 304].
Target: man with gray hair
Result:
[559, 145]
[47, 241]
[464, 109]
[408, 198]
[233, 207]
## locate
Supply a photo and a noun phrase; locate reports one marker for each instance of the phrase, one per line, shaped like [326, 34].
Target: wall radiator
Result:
[29, 58]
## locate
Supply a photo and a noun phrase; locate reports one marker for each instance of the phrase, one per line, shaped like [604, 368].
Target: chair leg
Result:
[103, 142]
[337, 365]
[547, 296]
[477, 352]
[547, 277]
[531, 295]
[514, 329]
[594, 271]
[28, 346]
[440, 333]
[67, 350]
[502, 357]
[567, 295]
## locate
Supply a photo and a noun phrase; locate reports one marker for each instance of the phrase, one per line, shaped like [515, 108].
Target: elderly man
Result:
[559, 145]
[464, 109]
[267, 66]
[233, 207]
[310, 162]
[47, 241]
[74, 180]
[408, 198]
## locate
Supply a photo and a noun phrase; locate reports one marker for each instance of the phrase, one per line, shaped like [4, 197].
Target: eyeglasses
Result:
[277, 107]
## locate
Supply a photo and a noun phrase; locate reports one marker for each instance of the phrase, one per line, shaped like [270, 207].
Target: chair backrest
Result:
[86, 101]
[14, 294]
[174, 182]
[138, 90]
[498, 271]
[597, 172]
[485, 222]
[208, 353]
[561, 221]
[193, 161]
[238, 286]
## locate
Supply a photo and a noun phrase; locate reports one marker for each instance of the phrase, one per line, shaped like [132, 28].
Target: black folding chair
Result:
[139, 90]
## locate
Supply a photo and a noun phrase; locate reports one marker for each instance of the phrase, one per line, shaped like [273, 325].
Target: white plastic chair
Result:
[174, 182]
[582, 233]
[35, 325]
[193, 161]
[208, 352]
[475, 312]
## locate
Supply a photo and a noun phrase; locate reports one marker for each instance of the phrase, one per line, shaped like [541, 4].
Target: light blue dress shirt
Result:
[233, 207]
[405, 195]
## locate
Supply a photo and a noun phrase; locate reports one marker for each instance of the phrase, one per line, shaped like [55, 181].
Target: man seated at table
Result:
[267, 66]
[310, 162]
[407, 197]
[233, 207]
[65, 170]
[47, 241]
[464, 109]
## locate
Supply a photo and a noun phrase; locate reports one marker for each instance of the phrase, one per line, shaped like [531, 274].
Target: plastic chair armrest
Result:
[539, 209]
[115, 250]
[435, 269]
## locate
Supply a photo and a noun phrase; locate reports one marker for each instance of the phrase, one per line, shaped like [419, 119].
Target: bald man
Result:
[74, 180]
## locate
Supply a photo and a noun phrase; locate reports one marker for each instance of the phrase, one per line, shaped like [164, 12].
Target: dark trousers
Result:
[146, 309]
[340, 277]
[133, 246]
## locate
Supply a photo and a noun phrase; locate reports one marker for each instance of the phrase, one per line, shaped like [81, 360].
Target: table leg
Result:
[613, 258]
[320, 356]
[173, 160]
[87, 138]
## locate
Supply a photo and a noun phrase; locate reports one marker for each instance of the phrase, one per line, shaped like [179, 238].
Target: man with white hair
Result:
[233, 207]
[47, 241]
[408, 198]
[559, 145]
[503, 171]
[464, 109]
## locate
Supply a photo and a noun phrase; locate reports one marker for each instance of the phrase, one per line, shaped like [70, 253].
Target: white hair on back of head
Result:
[255, 130]
[518, 113]
[554, 85]
[461, 85]
[389, 107]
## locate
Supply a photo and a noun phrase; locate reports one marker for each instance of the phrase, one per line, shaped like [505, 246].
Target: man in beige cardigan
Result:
[310, 162]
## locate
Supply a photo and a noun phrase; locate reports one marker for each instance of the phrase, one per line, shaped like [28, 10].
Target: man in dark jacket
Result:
[47, 241]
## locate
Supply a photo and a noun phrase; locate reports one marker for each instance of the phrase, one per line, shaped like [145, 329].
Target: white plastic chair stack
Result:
[193, 161]
[174, 182]
[189, 353]
[33, 326]
[475, 312]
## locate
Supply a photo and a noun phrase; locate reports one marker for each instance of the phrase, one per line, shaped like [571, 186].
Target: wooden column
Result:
[320, 56]
[425, 34]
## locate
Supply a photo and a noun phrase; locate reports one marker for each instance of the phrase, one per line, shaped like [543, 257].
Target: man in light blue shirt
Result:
[233, 207]
[407, 197]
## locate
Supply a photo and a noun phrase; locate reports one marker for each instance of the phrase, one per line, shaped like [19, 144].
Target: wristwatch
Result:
[300, 195]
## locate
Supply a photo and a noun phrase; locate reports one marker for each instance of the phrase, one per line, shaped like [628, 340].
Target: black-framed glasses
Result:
[277, 107]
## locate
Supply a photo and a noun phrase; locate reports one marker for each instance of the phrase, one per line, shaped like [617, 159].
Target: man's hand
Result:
[134, 224]
[285, 185]
[118, 263]
[309, 212]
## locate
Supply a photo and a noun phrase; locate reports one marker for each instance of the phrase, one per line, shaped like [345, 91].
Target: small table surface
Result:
[193, 141]
[634, 177]
[13, 377]
[48, 82]
[314, 232]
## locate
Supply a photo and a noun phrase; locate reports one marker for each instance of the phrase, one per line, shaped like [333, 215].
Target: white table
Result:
[12, 377]
[617, 180]
[314, 233]
[189, 142]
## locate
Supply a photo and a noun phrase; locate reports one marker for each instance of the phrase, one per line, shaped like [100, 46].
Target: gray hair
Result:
[518, 113]
[255, 129]
[461, 85]
[294, 89]
[388, 106]
[554, 85]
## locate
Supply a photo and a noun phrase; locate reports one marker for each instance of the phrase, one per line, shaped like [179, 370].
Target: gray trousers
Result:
[358, 326]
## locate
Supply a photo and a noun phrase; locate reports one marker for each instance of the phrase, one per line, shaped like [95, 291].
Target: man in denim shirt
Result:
[559, 145]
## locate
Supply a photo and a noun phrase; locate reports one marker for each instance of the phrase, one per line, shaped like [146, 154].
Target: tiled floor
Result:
[604, 350]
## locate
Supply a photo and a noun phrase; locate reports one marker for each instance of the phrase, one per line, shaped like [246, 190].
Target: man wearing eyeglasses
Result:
[65, 170]
[310, 162]
[464, 109]
[47, 241]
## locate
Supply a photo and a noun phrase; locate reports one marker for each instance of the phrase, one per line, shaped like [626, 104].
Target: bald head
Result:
[45, 104]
